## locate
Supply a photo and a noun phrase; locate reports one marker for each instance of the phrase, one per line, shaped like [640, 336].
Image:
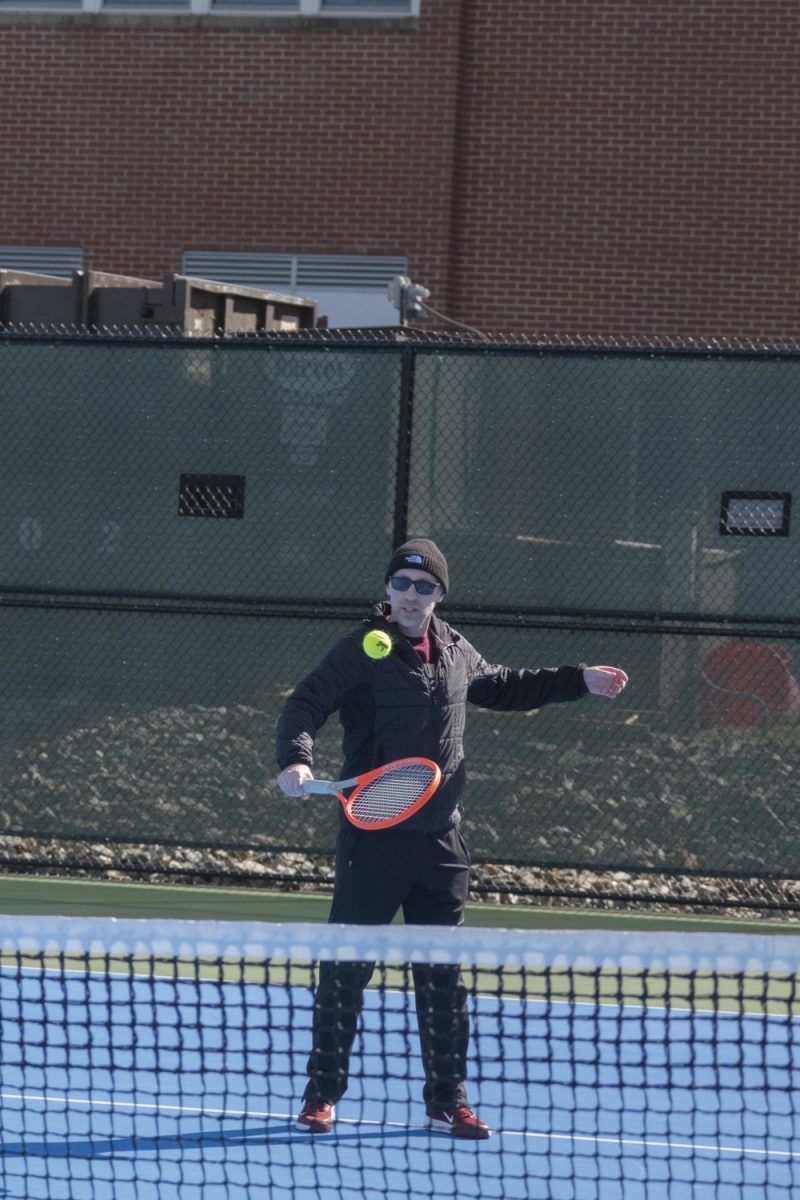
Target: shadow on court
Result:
[136, 1144]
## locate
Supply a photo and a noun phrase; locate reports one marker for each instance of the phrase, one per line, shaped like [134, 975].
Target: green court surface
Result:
[80, 897]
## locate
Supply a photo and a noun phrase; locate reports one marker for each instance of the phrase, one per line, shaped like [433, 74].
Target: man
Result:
[410, 703]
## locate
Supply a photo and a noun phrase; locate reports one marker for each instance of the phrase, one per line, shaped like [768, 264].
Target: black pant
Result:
[377, 873]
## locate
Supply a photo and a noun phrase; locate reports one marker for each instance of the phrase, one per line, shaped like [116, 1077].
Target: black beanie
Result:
[422, 555]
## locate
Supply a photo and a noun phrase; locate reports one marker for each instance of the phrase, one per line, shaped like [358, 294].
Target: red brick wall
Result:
[139, 142]
[632, 167]
[609, 168]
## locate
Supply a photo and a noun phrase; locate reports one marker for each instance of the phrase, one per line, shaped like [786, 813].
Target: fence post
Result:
[408, 363]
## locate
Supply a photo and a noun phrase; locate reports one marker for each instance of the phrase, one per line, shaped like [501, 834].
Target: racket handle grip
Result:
[327, 787]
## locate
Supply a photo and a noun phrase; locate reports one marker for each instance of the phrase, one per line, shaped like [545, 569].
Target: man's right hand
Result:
[292, 779]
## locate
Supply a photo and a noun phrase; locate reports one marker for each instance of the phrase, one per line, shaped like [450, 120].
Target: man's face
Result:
[411, 610]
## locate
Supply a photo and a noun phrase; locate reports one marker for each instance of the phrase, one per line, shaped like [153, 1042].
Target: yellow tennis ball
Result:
[377, 644]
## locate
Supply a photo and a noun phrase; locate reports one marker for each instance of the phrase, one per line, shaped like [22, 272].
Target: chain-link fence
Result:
[187, 525]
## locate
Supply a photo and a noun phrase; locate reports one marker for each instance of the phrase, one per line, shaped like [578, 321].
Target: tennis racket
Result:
[385, 796]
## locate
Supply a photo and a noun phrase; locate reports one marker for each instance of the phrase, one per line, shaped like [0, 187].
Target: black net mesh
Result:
[171, 1060]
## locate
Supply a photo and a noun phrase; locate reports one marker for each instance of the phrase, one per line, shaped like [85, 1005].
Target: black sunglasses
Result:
[401, 583]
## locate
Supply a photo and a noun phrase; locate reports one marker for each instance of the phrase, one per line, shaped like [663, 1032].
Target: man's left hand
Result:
[605, 681]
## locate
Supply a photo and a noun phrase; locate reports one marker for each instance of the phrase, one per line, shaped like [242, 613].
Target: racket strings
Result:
[393, 793]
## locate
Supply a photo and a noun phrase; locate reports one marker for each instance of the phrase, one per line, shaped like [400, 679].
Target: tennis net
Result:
[149, 1059]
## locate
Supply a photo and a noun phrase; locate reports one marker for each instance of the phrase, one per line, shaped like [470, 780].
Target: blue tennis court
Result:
[131, 1086]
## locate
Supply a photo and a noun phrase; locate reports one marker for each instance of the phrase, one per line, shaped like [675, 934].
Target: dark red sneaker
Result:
[459, 1122]
[316, 1116]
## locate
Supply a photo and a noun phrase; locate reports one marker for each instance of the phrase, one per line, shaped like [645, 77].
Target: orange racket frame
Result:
[392, 792]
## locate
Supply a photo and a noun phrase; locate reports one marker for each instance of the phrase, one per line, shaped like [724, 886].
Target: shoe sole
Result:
[466, 1135]
[314, 1126]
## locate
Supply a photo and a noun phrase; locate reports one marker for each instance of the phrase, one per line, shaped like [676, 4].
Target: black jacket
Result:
[396, 707]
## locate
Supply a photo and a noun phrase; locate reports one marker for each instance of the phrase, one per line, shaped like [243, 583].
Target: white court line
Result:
[597, 1140]
[139, 1105]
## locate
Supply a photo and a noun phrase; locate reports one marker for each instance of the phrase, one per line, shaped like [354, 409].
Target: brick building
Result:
[591, 167]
